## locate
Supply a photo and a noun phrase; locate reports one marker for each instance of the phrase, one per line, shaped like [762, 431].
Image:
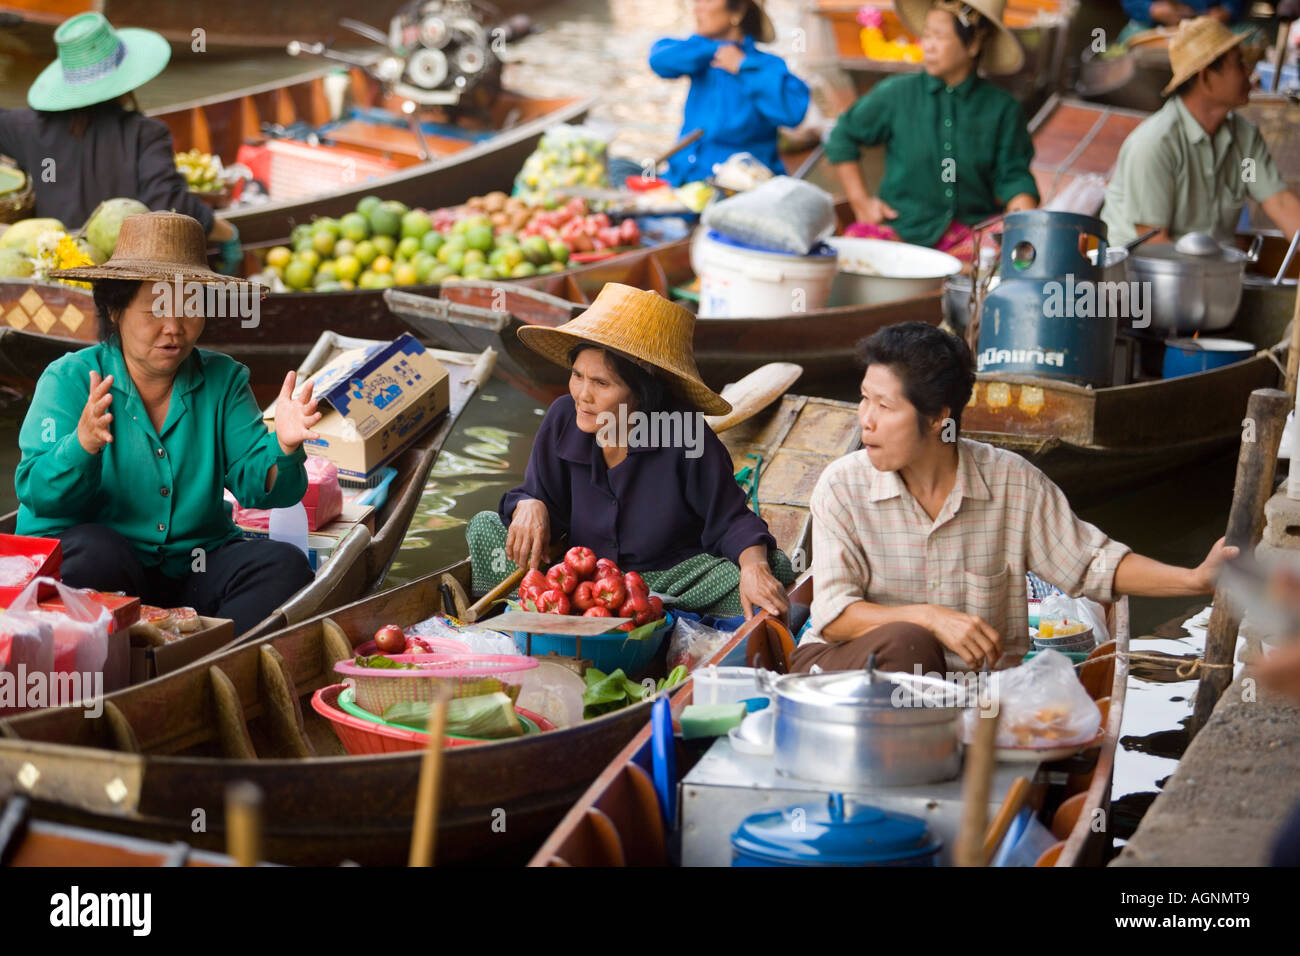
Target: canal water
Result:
[1175, 519]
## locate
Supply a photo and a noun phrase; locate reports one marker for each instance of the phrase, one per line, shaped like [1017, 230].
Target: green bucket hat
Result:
[97, 63]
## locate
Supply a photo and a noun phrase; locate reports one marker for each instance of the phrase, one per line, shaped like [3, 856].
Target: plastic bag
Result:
[783, 215]
[694, 643]
[1062, 607]
[80, 630]
[1041, 705]
[481, 640]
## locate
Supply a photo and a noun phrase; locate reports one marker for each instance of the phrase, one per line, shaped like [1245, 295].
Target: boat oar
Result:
[425, 829]
[753, 393]
[498, 592]
[244, 823]
[1010, 809]
[678, 146]
[980, 763]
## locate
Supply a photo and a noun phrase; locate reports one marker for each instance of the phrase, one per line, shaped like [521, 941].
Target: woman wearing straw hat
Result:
[1191, 166]
[128, 444]
[80, 144]
[739, 95]
[957, 148]
[626, 465]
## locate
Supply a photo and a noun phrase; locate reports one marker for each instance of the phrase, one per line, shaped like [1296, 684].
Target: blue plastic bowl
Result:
[1189, 356]
[607, 652]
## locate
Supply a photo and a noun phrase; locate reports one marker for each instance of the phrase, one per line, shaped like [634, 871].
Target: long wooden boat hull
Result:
[498, 798]
[618, 822]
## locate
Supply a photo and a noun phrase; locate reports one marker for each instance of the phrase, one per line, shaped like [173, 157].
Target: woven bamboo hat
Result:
[97, 63]
[155, 246]
[766, 31]
[641, 326]
[1197, 44]
[1002, 54]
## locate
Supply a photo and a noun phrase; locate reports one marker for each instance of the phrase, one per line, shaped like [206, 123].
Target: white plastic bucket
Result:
[726, 685]
[741, 283]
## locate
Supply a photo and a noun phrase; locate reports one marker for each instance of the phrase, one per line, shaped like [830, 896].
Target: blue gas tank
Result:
[1047, 315]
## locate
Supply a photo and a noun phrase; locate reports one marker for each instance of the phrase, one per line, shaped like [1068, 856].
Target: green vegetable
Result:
[609, 692]
[677, 675]
[382, 662]
[487, 716]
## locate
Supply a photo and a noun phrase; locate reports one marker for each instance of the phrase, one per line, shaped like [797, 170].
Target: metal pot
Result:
[867, 728]
[1189, 291]
[872, 271]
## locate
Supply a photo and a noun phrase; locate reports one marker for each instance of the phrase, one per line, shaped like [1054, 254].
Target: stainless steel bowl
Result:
[1189, 293]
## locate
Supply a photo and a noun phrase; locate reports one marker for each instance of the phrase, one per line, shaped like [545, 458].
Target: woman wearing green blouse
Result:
[128, 444]
[957, 148]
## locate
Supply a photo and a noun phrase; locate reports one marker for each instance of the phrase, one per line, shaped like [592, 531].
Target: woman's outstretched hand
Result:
[93, 429]
[294, 416]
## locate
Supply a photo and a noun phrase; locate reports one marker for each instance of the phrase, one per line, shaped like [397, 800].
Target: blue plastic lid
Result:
[821, 250]
[824, 834]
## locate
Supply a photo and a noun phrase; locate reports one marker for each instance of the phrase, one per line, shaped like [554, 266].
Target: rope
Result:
[1186, 670]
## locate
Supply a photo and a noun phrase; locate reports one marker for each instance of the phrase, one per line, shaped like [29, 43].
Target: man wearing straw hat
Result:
[1191, 166]
[625, 465]
[957, 148]
[128, 444]
[79, 144]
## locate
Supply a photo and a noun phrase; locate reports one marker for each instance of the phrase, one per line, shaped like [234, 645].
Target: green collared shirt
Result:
[951, 153]
[1171, 174]
[161, 491]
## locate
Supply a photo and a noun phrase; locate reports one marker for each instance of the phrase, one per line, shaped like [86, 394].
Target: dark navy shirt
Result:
[653, 510]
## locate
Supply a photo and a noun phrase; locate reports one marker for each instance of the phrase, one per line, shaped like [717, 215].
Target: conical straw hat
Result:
[1002, 56]
[642, 326]
[1197, 44]
[157, 246]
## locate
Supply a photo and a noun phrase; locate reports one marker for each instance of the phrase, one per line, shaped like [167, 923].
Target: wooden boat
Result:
[321, 807]
[1041, 26]
[28, 841]
[233, 26]
[618, 821]
[359, 563]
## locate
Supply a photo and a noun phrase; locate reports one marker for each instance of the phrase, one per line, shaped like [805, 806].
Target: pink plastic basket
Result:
[464, 675]
[440, 645]
[360, 737]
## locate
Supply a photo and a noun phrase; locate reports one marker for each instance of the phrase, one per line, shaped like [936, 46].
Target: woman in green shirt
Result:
[957, 148]
[128, 444]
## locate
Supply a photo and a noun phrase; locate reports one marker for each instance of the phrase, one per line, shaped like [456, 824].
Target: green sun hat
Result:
[97, 63]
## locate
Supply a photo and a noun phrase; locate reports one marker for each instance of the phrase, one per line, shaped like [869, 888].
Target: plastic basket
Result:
[464, 675]
[299, 171]
[607, 652]
[442, 646]
[361, 737]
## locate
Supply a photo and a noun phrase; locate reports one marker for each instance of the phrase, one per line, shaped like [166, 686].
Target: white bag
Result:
[80, 632]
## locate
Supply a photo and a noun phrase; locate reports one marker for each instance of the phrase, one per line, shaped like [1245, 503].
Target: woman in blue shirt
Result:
[739, 95]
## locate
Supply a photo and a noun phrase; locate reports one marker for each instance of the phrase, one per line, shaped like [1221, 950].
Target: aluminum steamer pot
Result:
[1190, 292]
[867, 728]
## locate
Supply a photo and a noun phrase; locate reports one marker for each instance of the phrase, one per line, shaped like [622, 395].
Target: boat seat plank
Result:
[335, 645]
[1051, 855]
[1067, 815]
[607, 837]
[770, 646]
[647, 842]
[120, 730]
[281, 705]
[236, 744]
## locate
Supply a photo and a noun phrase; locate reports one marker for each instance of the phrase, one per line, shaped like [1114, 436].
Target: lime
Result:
[326, 273]
[559, 251]
[328, 224]
[455, 261]
[490, 272]
[367, 205]
[431, 242]
[344, 247]
[329, 286]
[383, 281]
[538, 250]
[347, 284]
[479, 237]
[415, 224]
[408, 247]
[367, 280]
[386, 245]
[322, 241]
[309, 256]
[381, 265]
[439, 273]
[523, 270]
[365, 252]
[512, 257]
[347, 267]
[279, 256]
[426, 267]
[475, 255]
[406, 274]
[474, 270]
[355, 226]
[298, 274]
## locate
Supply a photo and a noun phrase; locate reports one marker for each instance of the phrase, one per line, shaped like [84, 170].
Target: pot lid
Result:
[833, 834]
[1181, 251]
[869, 689]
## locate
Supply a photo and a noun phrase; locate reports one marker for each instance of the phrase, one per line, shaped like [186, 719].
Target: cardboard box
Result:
[47, 550]
[321, 544]
[150, 662]
[375, 401]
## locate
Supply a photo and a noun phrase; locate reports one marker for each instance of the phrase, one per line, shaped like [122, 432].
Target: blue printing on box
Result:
[606, 652]
[341, 392]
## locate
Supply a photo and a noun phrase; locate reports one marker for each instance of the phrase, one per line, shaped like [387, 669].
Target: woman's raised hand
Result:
[873, 210]
[729, 57]
[529, 534]
[93, 429]
[294, 416]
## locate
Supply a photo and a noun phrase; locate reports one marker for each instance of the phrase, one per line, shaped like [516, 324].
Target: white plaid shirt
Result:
[872, 541]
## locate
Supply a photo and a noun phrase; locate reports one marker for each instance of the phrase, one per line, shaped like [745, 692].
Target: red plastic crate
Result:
[48, 549]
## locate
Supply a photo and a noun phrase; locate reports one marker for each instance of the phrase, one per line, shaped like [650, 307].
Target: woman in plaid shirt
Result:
[922, 539]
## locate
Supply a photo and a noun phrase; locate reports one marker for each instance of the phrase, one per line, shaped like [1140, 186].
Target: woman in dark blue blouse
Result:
[626, 465]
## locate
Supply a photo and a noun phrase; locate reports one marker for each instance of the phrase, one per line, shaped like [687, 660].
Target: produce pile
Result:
[31, 248]
[203, 171]
[566, 156]
[591, 587]
[383, 243]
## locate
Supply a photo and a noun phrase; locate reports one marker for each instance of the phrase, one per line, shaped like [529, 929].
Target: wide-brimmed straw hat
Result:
[1001, 55]
[154, 246]
[766, 31]
[642, 326]
[1197, 44]
[97, 63]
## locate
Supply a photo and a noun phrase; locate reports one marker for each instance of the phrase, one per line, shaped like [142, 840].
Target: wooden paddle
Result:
[755, 392]
[501, 590]
[980, 763]
[244, 823]
[425, 829]
[1010, 809]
